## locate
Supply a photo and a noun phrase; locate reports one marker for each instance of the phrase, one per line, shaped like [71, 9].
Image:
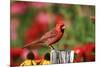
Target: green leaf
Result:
[43, 50]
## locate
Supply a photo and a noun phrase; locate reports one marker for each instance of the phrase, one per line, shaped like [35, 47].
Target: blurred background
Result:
[30, 20]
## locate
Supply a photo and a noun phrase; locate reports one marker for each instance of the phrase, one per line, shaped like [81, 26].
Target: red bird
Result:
[48, 38]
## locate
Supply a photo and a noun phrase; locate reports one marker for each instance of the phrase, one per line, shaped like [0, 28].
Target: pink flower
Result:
[43, 17]
[18, 7]
[14, 25]
[38, 4]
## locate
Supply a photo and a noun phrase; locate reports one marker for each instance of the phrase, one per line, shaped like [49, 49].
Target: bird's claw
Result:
[51, 47]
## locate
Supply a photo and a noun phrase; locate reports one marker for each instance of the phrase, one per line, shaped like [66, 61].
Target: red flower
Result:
[89, 47]
[85, 53]
[78, 59]
[79, 51]
[89, 50]
[31, 33]
[34, 32]
[89, 57]
[15, 54]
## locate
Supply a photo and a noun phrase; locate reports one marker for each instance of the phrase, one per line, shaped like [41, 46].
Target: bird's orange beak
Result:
[63, 27]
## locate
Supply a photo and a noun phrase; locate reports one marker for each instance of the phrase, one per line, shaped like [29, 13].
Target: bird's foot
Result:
[51, 47]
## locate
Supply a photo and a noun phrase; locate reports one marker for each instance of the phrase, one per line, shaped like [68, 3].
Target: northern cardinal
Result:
[48, 38]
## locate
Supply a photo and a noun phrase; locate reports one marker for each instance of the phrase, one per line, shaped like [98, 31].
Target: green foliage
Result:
[43, 50]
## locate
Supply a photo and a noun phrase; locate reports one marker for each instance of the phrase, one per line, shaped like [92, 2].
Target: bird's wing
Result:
[49, 34]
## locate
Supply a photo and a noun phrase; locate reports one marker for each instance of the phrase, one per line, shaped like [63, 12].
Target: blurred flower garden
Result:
[30, 20]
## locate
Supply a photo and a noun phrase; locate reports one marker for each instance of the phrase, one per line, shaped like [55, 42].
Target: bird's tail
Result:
[33, 44]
